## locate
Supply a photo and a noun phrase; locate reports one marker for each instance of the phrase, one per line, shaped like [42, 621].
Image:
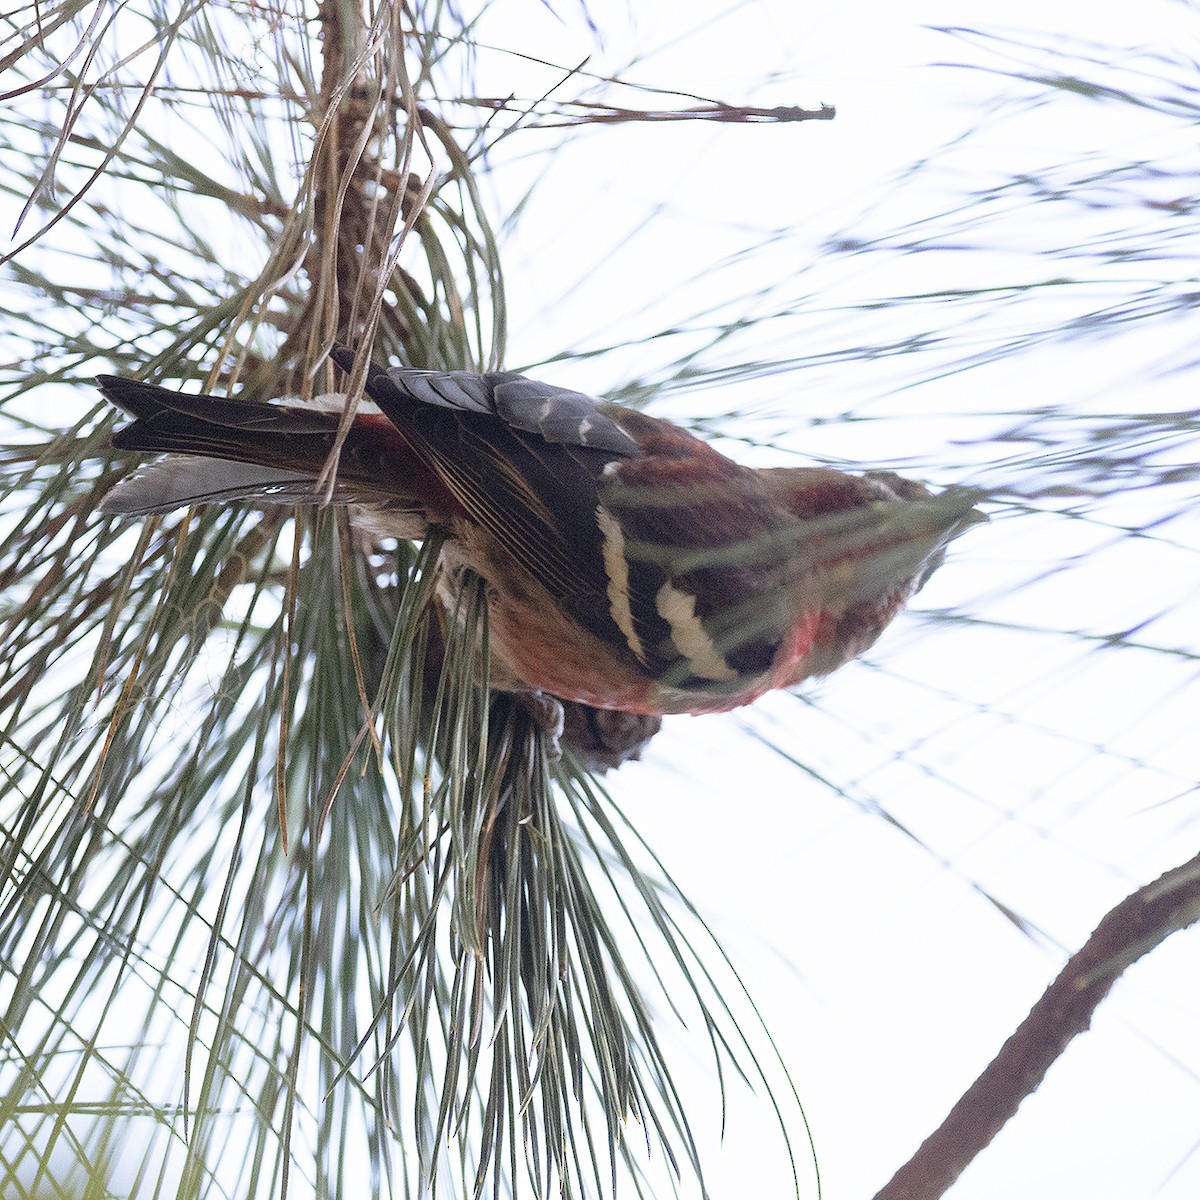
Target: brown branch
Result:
[1135, 927]
[556, 114]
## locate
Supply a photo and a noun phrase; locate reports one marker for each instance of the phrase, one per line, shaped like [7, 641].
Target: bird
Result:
[628, 565]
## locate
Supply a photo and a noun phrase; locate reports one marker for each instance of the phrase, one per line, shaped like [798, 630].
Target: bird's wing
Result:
[643, 533]
[520, 460]
[710, 556]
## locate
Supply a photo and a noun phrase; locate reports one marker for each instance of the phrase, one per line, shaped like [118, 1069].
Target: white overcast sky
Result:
[1033, 767]
[1026, 763]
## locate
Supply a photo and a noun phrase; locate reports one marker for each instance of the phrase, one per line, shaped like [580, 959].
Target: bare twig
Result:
[558, 113]
[1135, 927]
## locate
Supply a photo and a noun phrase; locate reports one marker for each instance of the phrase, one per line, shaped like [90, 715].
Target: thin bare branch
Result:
[1140, 923]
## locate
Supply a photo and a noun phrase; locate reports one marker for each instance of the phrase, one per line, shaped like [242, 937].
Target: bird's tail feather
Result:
[179, 481]
[238, 449]
[268, 434]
